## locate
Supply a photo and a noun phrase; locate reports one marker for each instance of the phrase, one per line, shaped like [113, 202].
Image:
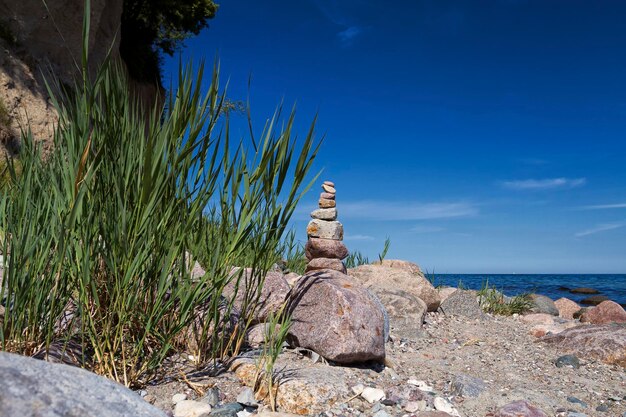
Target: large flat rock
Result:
[30, 387]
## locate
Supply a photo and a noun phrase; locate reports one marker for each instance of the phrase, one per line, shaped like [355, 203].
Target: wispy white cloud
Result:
[604, 206]
[358, 237]
[599, 228]
[405, 210]
[544, 184]
[346, 37]
[427, 229]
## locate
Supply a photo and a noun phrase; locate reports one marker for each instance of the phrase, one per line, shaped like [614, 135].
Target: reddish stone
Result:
[325, 248]
[318, 264]
[273, 292]
[605, 342]
[328, 196]
[519, 408]
[337, 318]
[567, 308]
[604, 313]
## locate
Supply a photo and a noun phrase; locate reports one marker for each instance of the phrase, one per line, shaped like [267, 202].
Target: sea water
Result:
[554, 286]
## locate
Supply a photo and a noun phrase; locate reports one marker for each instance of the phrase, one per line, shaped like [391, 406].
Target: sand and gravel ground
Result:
[498, 351]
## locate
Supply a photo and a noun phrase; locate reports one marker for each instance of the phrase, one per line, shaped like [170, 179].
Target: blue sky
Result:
[480, 136]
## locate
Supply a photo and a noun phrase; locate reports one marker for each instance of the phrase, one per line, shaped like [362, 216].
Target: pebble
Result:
[372, 395]
[190, 408]
[329, 183]
[381, 413]
[212, 397]
[328, 189]
[414, 406]
[602, 408]
[423, 386]
[358, 389]
[573, 414]
[244, 413]
[176, 398]
[328, 196]
[567, 360]
[467, 386]
[227, 410]
[575, 400]
[246, 397]
[441, 404]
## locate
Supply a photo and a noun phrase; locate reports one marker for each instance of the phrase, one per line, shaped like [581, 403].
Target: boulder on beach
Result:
[543, 304]
[445, 292]
[463, 303]
[567, 308]
[337, 318]
[401, 264]
[273, 292]
[30, 387]
[605, 342]
[594, 300]
[604, 313]
[381, 277]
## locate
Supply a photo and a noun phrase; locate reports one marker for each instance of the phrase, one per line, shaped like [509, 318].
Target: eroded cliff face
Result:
[38, 39]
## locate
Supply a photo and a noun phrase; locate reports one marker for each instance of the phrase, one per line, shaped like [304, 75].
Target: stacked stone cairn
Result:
[324, 248]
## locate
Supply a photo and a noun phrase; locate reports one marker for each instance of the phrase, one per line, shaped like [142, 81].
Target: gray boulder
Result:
[337, 318]
[543, 304]
[29, 387]
[462, 303]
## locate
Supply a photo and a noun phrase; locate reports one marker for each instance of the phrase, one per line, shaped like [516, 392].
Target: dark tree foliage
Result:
[150, 27]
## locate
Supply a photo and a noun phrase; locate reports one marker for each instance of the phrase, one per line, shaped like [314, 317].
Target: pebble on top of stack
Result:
[324, 248]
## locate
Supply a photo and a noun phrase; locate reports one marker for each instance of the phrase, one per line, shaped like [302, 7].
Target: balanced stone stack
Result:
[324, 248]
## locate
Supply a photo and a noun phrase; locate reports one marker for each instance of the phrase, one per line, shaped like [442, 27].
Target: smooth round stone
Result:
[327, 196]
[326, 203]
[329, 183]
[325, 214]
[329, 189]
[325, 248]
[318, 264]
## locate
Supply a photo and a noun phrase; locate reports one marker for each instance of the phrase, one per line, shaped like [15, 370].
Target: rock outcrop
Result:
[40, 39]
[29, 387]
[605, 342]
[380, 279]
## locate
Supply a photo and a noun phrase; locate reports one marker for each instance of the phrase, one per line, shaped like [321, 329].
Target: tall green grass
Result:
[96, 236]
